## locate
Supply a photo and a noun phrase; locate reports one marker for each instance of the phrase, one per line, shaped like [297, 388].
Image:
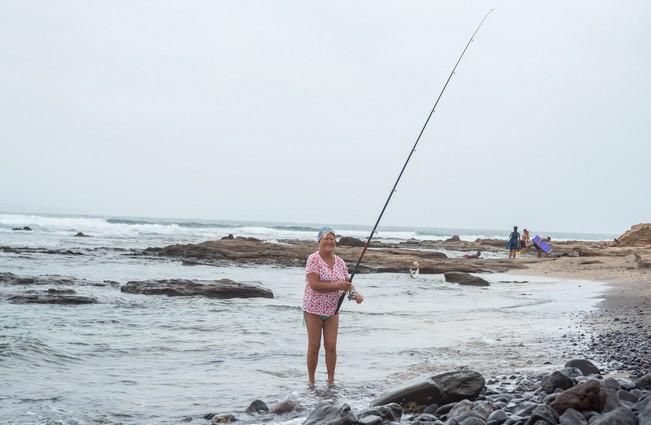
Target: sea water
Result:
[134, 359]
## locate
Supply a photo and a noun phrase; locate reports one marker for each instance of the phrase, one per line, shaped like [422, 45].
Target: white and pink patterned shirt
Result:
[323, 303]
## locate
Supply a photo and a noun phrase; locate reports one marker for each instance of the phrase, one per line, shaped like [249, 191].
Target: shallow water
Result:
[134, 359]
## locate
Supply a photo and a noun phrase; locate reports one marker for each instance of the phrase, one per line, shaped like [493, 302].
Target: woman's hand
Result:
[345, 286]
[359, 298]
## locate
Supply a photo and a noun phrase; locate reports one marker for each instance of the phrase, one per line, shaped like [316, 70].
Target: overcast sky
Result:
[304, 111]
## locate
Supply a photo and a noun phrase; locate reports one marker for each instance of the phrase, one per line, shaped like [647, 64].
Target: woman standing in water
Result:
[326, 278]
[514, 242]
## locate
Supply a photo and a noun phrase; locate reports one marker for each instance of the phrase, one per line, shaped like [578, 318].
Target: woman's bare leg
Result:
[314, 325]
[330, 331]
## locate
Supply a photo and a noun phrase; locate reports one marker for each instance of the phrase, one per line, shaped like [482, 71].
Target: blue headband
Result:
[324, 231]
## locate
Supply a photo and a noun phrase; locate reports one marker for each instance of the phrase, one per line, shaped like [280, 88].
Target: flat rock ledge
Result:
[465, 279]
[294, 254]
[51, 298]
[223, 288]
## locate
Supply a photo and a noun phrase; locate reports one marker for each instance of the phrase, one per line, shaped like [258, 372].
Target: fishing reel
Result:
[351, 294]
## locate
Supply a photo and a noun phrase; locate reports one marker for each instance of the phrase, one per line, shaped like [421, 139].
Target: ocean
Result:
[133, 359]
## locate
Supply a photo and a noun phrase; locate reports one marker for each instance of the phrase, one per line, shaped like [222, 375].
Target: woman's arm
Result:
[318, 285]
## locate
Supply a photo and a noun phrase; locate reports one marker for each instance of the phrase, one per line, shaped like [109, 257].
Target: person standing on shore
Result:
[514, 242]
[326, 279]
[525, 241]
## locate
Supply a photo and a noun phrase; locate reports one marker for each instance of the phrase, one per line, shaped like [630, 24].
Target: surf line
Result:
[413, 149]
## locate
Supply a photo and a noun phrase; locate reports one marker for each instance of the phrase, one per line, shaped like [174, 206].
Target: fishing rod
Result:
[413, 149]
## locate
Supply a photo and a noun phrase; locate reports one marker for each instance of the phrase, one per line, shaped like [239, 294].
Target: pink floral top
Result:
[323, 303]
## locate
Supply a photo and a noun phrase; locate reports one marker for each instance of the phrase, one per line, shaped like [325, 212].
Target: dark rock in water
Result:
[465, 279]
[442, 389]
[585, 366]
[327, 413]
[257, 406]
[619, 416]
[81, 235]
[350, 241]
[223, 419]
[644, 382]
[585, 396]
[228, 237]
[24, 228]
[12, 279]
[543, 413]
[61, 291]
[46, 298]
[572, 417]
[454, 238]
[389, 412]
[556, 380]
[223, 288]
[285, 406]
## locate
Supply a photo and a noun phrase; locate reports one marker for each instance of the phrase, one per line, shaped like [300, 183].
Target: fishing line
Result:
[413, 149]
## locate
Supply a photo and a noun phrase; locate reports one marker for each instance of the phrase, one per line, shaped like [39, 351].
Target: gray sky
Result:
[304, 111]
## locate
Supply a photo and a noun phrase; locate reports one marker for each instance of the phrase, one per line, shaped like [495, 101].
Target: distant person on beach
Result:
[514, 242]
[326, 279]
[475, 255]
[539, 250]
[525, 240]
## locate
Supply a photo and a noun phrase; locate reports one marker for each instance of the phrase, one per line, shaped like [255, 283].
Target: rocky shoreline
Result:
[607, 382]
[577, 394]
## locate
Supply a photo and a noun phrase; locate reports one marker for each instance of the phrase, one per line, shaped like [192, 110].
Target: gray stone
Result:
[589, 414]
[426, 417]
[370, 420]
[388, 412]
[610, 388]
[497, 417]
[572, 417]
[327, 413]
[285, 406]
[644, 382]
[223, 419]
[432, 408]
[624, 395]
[585, 366]
[643, 407]
[556, 380]
[441, 389]
[619, 416]
[571, 372]
[544, 413]
[445, 409]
